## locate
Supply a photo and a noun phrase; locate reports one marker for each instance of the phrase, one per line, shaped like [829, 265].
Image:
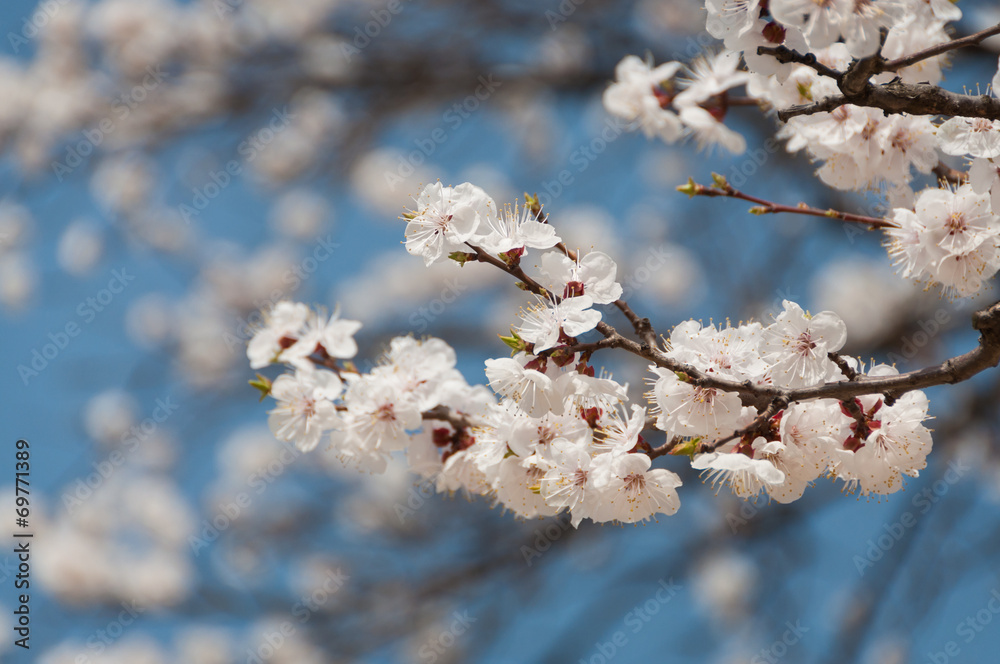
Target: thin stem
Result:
[665, 448]
[445, 414]
[948, 174]
[764, 396]
[726, 190]
[778, 404]
[785, 55]
[938, 49]
[642, 326]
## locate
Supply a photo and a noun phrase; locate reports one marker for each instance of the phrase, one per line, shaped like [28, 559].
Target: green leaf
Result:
[514, 341]
[691, 189]
[262, 384]
[461, 257]
[687, 448]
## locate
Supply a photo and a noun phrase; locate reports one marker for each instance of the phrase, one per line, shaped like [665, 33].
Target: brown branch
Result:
[946, 173]
[785, 55]
[844, 367]
[893, 97]
[898, 97]
[859, 73]
[724, 189]
[938, 49]
[777, 404]
[665, 448]
[446, 414]
[763, 396]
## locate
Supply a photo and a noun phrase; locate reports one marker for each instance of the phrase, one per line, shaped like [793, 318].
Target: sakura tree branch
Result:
[898, 97]
[955, 370]
[893, 97]
[665, 448]
[722, 188]
[642, 326]
[844, 367]
[777, 404]
[785, 55]
[458, 421]
[948, 174]
[763, 396]
[939, 49]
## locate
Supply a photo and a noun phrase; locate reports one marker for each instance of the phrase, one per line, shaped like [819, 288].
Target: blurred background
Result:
[169, 168]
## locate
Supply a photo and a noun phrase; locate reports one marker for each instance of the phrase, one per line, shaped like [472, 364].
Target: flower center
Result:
[981, 125]
[956, 223]
[635, 483]
[804, 344]
[385, 413]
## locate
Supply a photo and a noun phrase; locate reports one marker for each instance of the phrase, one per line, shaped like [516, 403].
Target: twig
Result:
[724, 189]
[785, 55]
[844, 367]
[458, 421]
[762, 396]
[665, 448]
[777, 404]
[893, 97]
[938, 49]
[948, 174]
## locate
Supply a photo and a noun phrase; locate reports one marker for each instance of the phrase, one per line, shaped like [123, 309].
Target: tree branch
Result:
[785, 55]
[898, 97]
[939, 49]
[948, 174]
[776, 405]
[724, 189]
[893, 97]
[764, 396]
[458, 421]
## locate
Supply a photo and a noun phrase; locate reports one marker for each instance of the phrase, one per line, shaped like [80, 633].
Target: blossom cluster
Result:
[555, 435]
[857, 148]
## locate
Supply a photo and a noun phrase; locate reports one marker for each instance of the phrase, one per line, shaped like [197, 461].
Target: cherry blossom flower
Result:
[568, 482]
[592, 274]
[544, 321]
[978, 137]
[746, 475]
[886, 442]
[951, 238]
[631, 492]
[517, 489]
[639, 94]
[730, 18]
[689, 410]
[333, 335]
[621, 434]
[820, 22]
[708, 131]
[517, 228]
[445, 218]
[305, 410]
[285, 320]
[797, 345]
